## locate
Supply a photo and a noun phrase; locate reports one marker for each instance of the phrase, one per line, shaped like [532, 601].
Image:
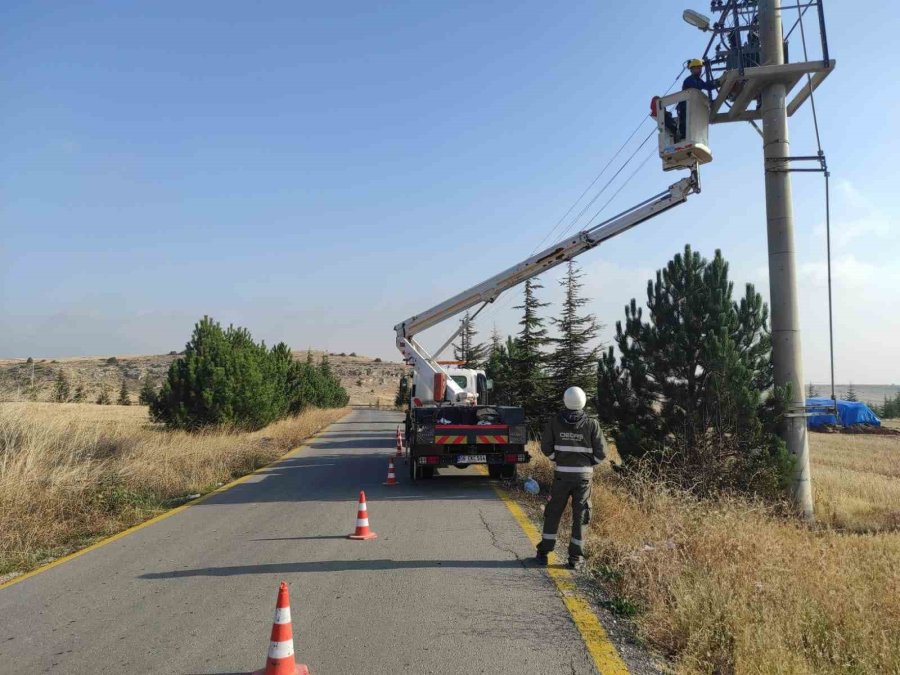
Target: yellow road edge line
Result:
[596, 639]
[161, 516]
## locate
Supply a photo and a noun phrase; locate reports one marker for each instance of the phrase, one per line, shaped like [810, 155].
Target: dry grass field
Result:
[70, 473]
[734, 587]
[856, 481]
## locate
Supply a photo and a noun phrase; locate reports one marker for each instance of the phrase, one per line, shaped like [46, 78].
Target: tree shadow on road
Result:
[333, 566]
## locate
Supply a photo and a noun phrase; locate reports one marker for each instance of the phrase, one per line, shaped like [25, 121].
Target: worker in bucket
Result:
[694, 81]
[575, 443]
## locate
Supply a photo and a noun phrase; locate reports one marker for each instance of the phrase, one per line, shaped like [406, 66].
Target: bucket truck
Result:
[449, 419]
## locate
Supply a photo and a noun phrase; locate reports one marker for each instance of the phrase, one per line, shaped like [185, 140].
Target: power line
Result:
[504, 302]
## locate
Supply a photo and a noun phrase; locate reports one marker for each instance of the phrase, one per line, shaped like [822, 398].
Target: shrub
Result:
[103, 397]
[225, 378]
[112, 361]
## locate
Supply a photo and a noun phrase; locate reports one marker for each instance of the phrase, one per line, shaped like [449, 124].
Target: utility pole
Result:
[786, 347]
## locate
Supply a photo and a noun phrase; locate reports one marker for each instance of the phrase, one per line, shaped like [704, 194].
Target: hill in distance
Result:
[368, 381]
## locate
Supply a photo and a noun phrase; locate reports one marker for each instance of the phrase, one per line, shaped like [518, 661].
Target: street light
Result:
[696, 19]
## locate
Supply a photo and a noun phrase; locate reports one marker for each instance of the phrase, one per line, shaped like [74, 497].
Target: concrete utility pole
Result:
[787, 353]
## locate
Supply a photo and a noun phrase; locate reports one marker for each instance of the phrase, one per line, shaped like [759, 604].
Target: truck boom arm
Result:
[563, 251]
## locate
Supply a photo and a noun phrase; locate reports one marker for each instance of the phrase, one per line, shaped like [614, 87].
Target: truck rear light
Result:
[512, 459]
[429, 459]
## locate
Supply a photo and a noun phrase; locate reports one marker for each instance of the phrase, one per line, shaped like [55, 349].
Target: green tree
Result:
[124, 398]
[498, 369]
[471, 353]
[811, 391]
[573, 361]
[80, 395]
[687, 396]
[103, 398]
[61, 388]
[528, 381]
[148, 392]
[851, 393]
[891, 407]
[402, 397]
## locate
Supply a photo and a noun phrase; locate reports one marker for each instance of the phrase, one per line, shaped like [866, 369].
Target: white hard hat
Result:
[574, 398]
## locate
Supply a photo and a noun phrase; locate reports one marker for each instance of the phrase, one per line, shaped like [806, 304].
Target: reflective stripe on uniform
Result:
[571, 448]
[575, 541]
[544, 535]
[552, 455]
[575, 469]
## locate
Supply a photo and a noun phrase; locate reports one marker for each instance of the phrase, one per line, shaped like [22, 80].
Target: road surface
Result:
[442, 590]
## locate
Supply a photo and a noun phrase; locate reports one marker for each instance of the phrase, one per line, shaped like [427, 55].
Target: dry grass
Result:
[732, 587]
[70, 473]
[856, 479]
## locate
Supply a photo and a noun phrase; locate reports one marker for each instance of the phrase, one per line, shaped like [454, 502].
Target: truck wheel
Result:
[508, 471]
[414, 474]
[494, 470]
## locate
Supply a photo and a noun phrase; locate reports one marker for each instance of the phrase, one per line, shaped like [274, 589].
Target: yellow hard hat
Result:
[695, 63]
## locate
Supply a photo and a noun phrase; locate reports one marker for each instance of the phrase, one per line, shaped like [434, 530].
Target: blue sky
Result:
[320, 171]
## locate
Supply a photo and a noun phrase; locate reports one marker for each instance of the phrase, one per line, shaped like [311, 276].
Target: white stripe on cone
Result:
[282, 615]
[281, 650]
[362, 522]
[362, 507]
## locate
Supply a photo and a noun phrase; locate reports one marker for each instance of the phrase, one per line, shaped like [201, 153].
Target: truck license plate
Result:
[471, 459]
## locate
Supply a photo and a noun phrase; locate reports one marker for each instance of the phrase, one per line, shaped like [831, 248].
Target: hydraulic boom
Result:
[488, 291]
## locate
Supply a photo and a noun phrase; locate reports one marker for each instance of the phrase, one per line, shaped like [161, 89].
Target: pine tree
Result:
[851, 393]
[573, 361]
[124, 398]
[61, 388]
[498, 369]
[527, 360]
[103, 397]
[80, 394]
[686, 394]
[811, 391]
[402, 397]
[471, 353]
[148, 392]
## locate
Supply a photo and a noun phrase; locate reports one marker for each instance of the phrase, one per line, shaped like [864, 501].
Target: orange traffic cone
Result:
[392, 477]
[399, 443]
[362, 521]
[281, 648]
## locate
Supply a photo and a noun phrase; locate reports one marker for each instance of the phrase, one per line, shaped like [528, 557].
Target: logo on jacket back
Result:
[569, 436]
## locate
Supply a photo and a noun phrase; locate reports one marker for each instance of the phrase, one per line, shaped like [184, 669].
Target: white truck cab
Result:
[471, 381]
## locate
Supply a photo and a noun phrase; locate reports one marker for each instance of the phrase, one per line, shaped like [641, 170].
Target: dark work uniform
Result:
[574, 441]
[697, 82]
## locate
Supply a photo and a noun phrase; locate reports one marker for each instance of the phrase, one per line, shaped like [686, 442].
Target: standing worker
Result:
[574, 441]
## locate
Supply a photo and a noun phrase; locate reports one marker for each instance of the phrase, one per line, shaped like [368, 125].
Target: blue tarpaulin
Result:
[849, 413]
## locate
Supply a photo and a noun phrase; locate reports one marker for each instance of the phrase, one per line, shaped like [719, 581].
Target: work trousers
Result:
[578, 487]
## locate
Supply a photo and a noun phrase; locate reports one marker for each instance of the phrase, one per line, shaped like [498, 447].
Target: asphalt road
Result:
[442, 590]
